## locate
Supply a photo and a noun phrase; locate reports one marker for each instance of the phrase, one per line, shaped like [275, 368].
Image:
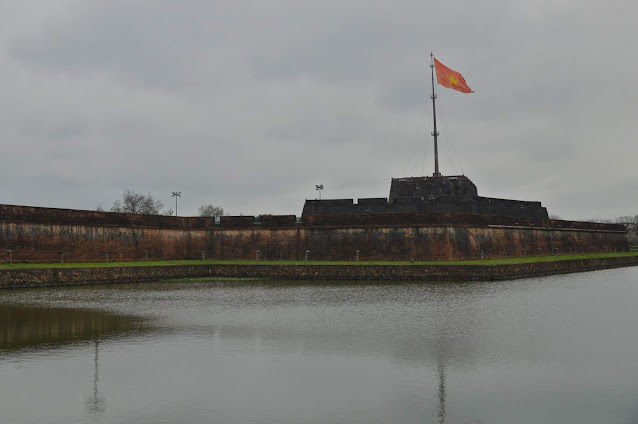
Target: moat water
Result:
[560, 349]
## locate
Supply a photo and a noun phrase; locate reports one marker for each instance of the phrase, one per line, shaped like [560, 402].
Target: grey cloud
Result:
[156, 43]
[249, 104]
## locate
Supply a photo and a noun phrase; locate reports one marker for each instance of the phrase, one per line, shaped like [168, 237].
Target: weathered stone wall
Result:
[26, 278]
[41, 234]
[34, 242]
[453, 243]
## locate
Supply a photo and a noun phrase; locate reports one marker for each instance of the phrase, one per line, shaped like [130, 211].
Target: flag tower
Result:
[435, 133]
[448, 78]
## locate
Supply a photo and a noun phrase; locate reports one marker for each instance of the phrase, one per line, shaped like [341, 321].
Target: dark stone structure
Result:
[451, 194]
[52, 277]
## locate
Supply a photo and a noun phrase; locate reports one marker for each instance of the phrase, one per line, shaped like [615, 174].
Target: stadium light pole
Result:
[176, 194]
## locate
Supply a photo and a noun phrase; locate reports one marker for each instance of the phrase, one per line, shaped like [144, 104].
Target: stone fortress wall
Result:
[36, 234]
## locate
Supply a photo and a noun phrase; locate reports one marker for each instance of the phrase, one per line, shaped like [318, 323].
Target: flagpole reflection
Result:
[442, 413]
[96, 404]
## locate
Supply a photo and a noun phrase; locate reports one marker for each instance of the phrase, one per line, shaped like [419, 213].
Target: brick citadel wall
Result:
[49, 235]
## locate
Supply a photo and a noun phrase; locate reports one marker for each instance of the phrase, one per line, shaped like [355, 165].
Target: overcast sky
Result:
[248, 104]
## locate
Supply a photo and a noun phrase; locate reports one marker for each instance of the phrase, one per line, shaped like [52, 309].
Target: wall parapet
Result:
[39, 215]
[34, 214]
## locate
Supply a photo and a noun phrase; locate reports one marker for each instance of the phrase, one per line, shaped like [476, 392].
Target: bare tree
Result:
[630, 223]
[133, 202]
[601, 220]
[627, 220]
[211, 211]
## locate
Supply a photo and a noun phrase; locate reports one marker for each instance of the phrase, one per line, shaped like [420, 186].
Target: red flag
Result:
[450, 78]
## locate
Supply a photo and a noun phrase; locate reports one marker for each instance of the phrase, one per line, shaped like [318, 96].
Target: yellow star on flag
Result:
[450, 78]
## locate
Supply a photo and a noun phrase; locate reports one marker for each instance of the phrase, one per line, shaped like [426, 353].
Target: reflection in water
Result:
[26, 328]
[441, 367]
[455, 333]
[526, 352]
[96, 404]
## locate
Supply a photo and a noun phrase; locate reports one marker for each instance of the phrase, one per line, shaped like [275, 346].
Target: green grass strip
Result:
[517, 260]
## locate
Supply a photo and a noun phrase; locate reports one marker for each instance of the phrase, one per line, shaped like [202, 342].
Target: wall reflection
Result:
[32, 328]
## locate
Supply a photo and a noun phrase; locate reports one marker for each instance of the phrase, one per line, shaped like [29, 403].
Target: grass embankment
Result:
[503, 261]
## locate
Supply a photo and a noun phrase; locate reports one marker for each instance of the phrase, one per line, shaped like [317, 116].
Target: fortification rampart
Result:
[53, 277]
[50, 235]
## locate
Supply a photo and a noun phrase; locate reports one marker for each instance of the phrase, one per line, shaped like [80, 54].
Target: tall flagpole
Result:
[435, 133]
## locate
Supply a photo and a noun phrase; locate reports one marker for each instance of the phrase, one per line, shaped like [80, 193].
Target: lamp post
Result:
[176, 194]
[319, 188]
[10, 256]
